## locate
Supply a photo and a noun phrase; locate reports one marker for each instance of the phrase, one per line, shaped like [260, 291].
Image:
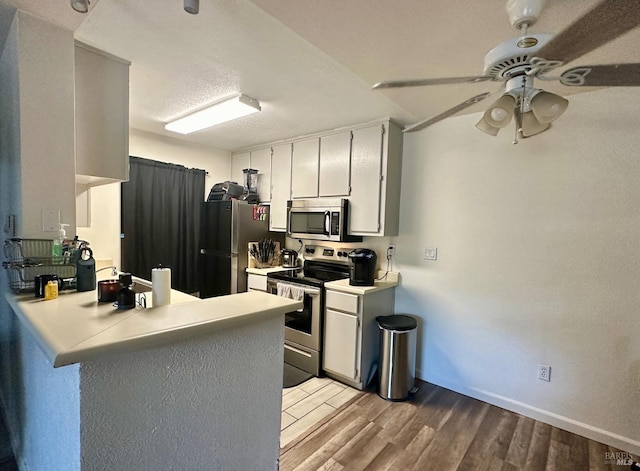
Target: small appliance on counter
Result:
[225, 191]
[362, 267]
[250, 188]
[126, 296]
[289, 258]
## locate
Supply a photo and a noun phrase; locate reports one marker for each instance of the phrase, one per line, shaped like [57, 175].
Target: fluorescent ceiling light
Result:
[221, 112]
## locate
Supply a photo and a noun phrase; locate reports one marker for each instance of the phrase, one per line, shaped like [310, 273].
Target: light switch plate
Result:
[431, 254]
[50, 220]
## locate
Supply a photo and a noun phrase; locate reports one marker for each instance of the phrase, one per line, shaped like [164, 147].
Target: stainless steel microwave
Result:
[319, 219]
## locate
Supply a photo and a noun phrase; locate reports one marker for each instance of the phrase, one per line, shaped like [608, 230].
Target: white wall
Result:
[538, 262]
[37, 171]
[104, 233]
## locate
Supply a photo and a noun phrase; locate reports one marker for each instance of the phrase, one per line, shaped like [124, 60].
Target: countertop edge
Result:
[80, 353]
[102, 343]
[391, 281]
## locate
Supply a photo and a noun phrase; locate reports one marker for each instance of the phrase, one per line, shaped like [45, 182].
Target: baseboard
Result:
[593, 433]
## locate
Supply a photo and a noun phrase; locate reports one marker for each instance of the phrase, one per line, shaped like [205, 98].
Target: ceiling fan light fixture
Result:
[524, 13]
[220, 112]
[500, 113]
[547, 106]
[530, 125]
[81, 6]
[483, 126]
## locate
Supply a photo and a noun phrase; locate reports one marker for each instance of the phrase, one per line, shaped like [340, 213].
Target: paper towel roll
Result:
[161, 286]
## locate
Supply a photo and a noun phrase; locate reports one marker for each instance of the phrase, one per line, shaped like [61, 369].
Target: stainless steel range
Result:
[304, 328]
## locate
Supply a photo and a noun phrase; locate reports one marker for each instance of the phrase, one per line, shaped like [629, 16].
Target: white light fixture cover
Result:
[221, 112]
[531, 126]
[548, 106]
[483, 126]
[81, 6]
[499, 114]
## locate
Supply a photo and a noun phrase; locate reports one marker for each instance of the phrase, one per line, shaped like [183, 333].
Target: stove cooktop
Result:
[322, 264]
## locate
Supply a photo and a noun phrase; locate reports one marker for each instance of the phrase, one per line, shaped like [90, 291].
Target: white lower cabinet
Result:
[342, 329]
[351, 335]
[256, 282]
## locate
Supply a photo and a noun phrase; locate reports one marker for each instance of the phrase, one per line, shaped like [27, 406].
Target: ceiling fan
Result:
[518, 61]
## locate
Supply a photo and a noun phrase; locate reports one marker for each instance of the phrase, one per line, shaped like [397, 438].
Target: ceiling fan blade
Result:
[446, 114]
[614, 75]
[608, 20]
[435, 81]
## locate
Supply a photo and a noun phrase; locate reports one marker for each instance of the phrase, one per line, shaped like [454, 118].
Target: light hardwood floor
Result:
[305, 405]
[441, 430]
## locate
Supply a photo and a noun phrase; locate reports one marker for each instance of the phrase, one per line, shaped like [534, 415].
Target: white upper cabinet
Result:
[304, 168]
[101, 116]
[280, 187]
[261, 161]
[335, 163]
[238, 163]
[376, 167]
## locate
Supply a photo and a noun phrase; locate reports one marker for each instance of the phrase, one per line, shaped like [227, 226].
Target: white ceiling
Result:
[310, 63]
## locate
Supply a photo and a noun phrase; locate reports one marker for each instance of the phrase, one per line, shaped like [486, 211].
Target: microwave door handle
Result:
[327, 223]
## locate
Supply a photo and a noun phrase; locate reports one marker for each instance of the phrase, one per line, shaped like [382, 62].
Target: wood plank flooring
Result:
[440, 430]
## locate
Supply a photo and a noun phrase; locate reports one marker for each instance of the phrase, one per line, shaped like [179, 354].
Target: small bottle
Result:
[51, 290]
[58, 243]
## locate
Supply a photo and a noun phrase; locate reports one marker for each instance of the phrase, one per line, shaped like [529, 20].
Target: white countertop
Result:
[392, 280]
[74, 327]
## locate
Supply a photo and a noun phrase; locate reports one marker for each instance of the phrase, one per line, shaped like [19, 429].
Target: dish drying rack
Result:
[27, 258]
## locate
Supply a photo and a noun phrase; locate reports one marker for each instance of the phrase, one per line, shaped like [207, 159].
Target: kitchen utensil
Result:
[289, 258]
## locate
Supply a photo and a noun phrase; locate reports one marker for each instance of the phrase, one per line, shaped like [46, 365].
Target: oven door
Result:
[302, 326]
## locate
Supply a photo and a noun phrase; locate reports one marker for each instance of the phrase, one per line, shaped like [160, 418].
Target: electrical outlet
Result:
[391, 251]
[431, 254]
[544, 372]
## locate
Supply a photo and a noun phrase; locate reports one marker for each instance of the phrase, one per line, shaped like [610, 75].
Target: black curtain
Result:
[160, 217]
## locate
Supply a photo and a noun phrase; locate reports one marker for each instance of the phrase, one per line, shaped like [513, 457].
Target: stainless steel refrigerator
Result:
[226, 229]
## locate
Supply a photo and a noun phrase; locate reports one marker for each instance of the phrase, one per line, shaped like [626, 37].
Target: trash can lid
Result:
[397, 322]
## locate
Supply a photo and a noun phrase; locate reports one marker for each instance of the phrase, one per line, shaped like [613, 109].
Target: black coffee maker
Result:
[362, 267]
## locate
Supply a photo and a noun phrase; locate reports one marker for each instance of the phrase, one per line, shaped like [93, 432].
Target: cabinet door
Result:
[102, 115]
[366, 178]
[335, 164]
[280, 187]
[261, 161]
[256, 282]
[304, 168]
[238, 163]
[340, 343]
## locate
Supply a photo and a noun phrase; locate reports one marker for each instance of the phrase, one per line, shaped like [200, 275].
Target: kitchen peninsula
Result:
[193, 385]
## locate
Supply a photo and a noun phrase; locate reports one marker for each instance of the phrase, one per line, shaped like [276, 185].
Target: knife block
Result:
[254, 263]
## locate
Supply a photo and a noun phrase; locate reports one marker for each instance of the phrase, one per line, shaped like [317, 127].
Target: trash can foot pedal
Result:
[413, 390]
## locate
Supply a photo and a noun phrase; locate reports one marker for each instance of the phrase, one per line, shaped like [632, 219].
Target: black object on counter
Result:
[85, 270]
[126, 296]
[362, 267]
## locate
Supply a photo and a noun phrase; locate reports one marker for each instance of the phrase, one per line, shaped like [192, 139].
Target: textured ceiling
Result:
[310, 63]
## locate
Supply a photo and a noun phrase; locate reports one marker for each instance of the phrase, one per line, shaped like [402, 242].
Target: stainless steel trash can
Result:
[397, 362]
